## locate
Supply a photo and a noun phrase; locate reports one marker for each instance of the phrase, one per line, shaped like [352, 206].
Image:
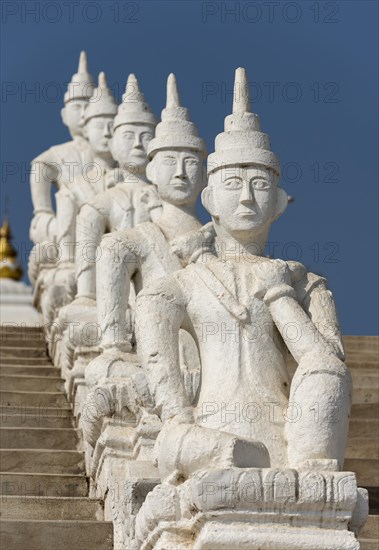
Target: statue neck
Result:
[133, 175]
[238, 246]
[104, 162]
[177, 220]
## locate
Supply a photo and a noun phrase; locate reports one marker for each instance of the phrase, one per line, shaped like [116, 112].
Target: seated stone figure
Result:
[134, 257]
[97, 177]
[250, 429]
[58, 165]
[116, 417]
[130, 202]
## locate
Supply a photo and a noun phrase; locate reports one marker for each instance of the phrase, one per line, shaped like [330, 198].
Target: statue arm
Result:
[160, 312]
[42, 176]
[317, 301]
[296, 328]
[115, 268]
[67, 210]
[91, 224]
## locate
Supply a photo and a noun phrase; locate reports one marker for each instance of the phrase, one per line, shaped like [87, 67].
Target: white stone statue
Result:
[98, 175]
[131, 259]
[252, 440]
[132, 201]
[144, 253]
[59, 165]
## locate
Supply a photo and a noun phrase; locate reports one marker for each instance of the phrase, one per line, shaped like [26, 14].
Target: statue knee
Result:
[321, 392]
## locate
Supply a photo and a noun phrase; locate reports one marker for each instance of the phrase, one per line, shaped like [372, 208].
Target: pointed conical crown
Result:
[9, 268]
[102, 103]
[242, 142]
[134, 108]
[82, 84]
[175, 130]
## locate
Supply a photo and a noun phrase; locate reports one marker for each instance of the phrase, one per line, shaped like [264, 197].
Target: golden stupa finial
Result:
[9, 267]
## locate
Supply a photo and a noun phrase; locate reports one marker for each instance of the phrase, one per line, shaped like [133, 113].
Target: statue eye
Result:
[147, 137]
[233, 184]
[169, 161]
[260, 184]
[129, 135]
[192, 161]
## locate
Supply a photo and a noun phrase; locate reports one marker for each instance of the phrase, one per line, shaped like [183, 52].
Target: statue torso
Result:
[244, 382]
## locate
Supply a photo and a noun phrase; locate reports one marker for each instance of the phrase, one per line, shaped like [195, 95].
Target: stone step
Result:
[40, 438]
[364, 339]
[34, 399]
[51, 508]
[11, 341]
[367, 470]
[26, 370]
[21, 333]
[31, 361]
[368, 544]
[365, 427]
[31, 383]
[57, 535]
[366, 410]
[49, 485]
[45, 418]
[362, 448]
[41, 461]
[366, 394]
[370, 530]
[351, 347]
[6, 351]
[365, 377]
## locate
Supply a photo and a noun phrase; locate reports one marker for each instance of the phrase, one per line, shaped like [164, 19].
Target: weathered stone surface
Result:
[50, 508]
[52, 485]
[66, 535]
[41, 461]
[36, 399]
[39, 438]
[31, 383]
[26, 370]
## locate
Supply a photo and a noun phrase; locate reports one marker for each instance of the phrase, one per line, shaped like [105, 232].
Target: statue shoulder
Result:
[165, 289]
[54, 153]
[304, 281]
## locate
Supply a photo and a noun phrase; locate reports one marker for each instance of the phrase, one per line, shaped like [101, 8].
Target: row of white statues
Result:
[172, 337]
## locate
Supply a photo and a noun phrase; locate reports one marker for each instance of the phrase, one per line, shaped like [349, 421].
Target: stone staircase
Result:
[44, 503]
[362, 453]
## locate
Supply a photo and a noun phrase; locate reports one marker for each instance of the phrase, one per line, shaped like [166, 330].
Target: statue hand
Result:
[270, 274]
[43, 227]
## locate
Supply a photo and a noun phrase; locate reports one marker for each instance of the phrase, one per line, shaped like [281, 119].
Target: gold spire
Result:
[9, 268]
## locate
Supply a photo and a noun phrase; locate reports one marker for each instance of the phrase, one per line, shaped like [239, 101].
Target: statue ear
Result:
[150, 171]
[281, 202]
[207, 199]
[63, 115]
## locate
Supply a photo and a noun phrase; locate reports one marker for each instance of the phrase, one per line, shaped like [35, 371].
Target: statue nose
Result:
[107, 130]
[137, 142]
[180, 169]
[247, 194]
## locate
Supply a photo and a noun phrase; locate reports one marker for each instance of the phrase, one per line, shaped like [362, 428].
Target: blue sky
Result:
[313, 71]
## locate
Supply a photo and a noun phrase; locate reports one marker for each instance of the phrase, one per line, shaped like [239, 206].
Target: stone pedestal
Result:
[254, 508]
[120, 480]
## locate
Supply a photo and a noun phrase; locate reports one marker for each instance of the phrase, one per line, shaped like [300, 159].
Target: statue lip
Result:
[246, 213]
[178, 184]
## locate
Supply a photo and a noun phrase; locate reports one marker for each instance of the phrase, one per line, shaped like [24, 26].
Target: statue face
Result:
[129, 144]
[98, 131]
[177, 175]
[72, 114]
[243, 198]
